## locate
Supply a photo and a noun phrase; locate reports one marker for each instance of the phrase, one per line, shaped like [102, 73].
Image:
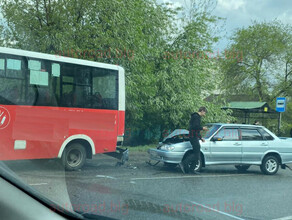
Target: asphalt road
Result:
[137, 190]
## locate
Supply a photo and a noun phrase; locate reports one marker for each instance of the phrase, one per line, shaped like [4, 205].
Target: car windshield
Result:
[97, 98]
[211, 130]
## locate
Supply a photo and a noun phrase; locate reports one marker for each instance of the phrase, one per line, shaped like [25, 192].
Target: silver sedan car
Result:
[228, 144]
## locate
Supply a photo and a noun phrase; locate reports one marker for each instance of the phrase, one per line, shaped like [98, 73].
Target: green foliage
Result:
[1, 35]
[264, 71]
[286, 124]
[265, 66]
[161, 91]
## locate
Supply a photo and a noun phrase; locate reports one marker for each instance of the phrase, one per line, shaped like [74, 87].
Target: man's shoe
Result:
[197, 173]
[182, 167]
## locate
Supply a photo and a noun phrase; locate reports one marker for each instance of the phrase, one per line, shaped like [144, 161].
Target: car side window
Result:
[266, 135]
[251, 135]
[228, 134]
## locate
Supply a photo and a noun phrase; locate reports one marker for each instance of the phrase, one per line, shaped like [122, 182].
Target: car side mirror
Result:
[216, 139]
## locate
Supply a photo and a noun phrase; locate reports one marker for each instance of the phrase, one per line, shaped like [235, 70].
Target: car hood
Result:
[177, 132]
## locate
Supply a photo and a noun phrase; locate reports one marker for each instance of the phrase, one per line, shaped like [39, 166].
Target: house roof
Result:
[246, 105]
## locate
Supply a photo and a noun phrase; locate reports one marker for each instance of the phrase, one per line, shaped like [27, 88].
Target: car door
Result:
[253, 145]
[226, 146]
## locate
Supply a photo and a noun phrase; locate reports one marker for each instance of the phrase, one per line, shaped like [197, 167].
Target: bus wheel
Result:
[74, 156]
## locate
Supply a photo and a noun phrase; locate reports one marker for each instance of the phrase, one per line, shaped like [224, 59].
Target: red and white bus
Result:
[59, 107]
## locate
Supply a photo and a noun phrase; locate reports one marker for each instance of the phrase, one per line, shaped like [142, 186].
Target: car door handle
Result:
[264, 144]
[237, 144]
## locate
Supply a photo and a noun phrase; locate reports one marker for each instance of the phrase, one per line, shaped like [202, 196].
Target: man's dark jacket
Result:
[195, 126]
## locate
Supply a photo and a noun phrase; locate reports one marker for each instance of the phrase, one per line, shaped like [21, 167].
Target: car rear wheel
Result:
[74, 156]
[242, 168]
[270, 165]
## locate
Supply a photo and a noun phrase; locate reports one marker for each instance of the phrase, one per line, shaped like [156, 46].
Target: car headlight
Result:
[167, 147]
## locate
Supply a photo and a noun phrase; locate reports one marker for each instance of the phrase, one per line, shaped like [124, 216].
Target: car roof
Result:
[236, 125]
[186, 132]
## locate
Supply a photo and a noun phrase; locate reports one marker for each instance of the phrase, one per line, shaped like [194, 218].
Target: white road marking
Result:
[108, 177]
[37, 184]
[284, 218]
[216, 210]
[179, 177]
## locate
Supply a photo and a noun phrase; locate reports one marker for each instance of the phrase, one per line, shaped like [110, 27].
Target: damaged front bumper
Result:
[165, 156]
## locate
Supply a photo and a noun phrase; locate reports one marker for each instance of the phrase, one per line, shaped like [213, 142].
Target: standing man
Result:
[194, 129]
[291, 132]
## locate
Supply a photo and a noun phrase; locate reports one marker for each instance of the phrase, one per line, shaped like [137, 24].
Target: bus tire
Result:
[74, 156]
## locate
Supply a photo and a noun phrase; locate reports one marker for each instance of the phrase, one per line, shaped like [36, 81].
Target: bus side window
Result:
[105, 83]
[14, 95]
[11, 91]
[2, 66]
[97, 100]
[31, 98]
[67, 99]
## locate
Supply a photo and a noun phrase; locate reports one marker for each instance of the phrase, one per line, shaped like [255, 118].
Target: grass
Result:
[140, 148]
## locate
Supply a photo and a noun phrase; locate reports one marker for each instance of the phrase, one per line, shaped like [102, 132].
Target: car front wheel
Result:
[188, 161]
[270, 165]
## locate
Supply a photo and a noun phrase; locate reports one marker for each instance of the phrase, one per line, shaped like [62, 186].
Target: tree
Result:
[1, 35]
[185, 75]
[264, 67]
[161, 91]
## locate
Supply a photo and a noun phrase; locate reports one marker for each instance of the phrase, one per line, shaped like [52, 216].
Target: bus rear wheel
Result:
[74, 156]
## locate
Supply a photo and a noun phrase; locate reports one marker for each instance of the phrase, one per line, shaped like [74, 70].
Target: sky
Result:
[241, 13]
